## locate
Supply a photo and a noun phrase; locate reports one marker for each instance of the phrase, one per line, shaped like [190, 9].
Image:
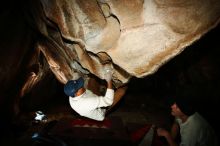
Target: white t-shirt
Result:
[196, 132]
[89, 104]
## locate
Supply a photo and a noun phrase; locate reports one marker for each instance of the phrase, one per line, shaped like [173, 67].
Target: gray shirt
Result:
[196, 131]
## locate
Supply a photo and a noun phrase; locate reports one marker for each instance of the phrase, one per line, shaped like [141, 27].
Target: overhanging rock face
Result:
[68, 38]
[136, 36]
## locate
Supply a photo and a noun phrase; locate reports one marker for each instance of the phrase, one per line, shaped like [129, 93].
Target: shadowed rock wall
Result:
[70, 38]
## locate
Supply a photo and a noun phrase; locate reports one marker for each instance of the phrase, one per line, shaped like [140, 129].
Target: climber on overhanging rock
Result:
[85, 102]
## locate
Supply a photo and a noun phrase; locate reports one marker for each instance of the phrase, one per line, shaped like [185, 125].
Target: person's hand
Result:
[108, 72]
[162, 132]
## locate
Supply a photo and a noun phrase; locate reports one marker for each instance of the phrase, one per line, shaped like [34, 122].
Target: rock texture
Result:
[136, 37]
[71, 38]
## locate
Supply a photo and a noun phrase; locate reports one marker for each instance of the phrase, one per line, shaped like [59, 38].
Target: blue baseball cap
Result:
[72, 86]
